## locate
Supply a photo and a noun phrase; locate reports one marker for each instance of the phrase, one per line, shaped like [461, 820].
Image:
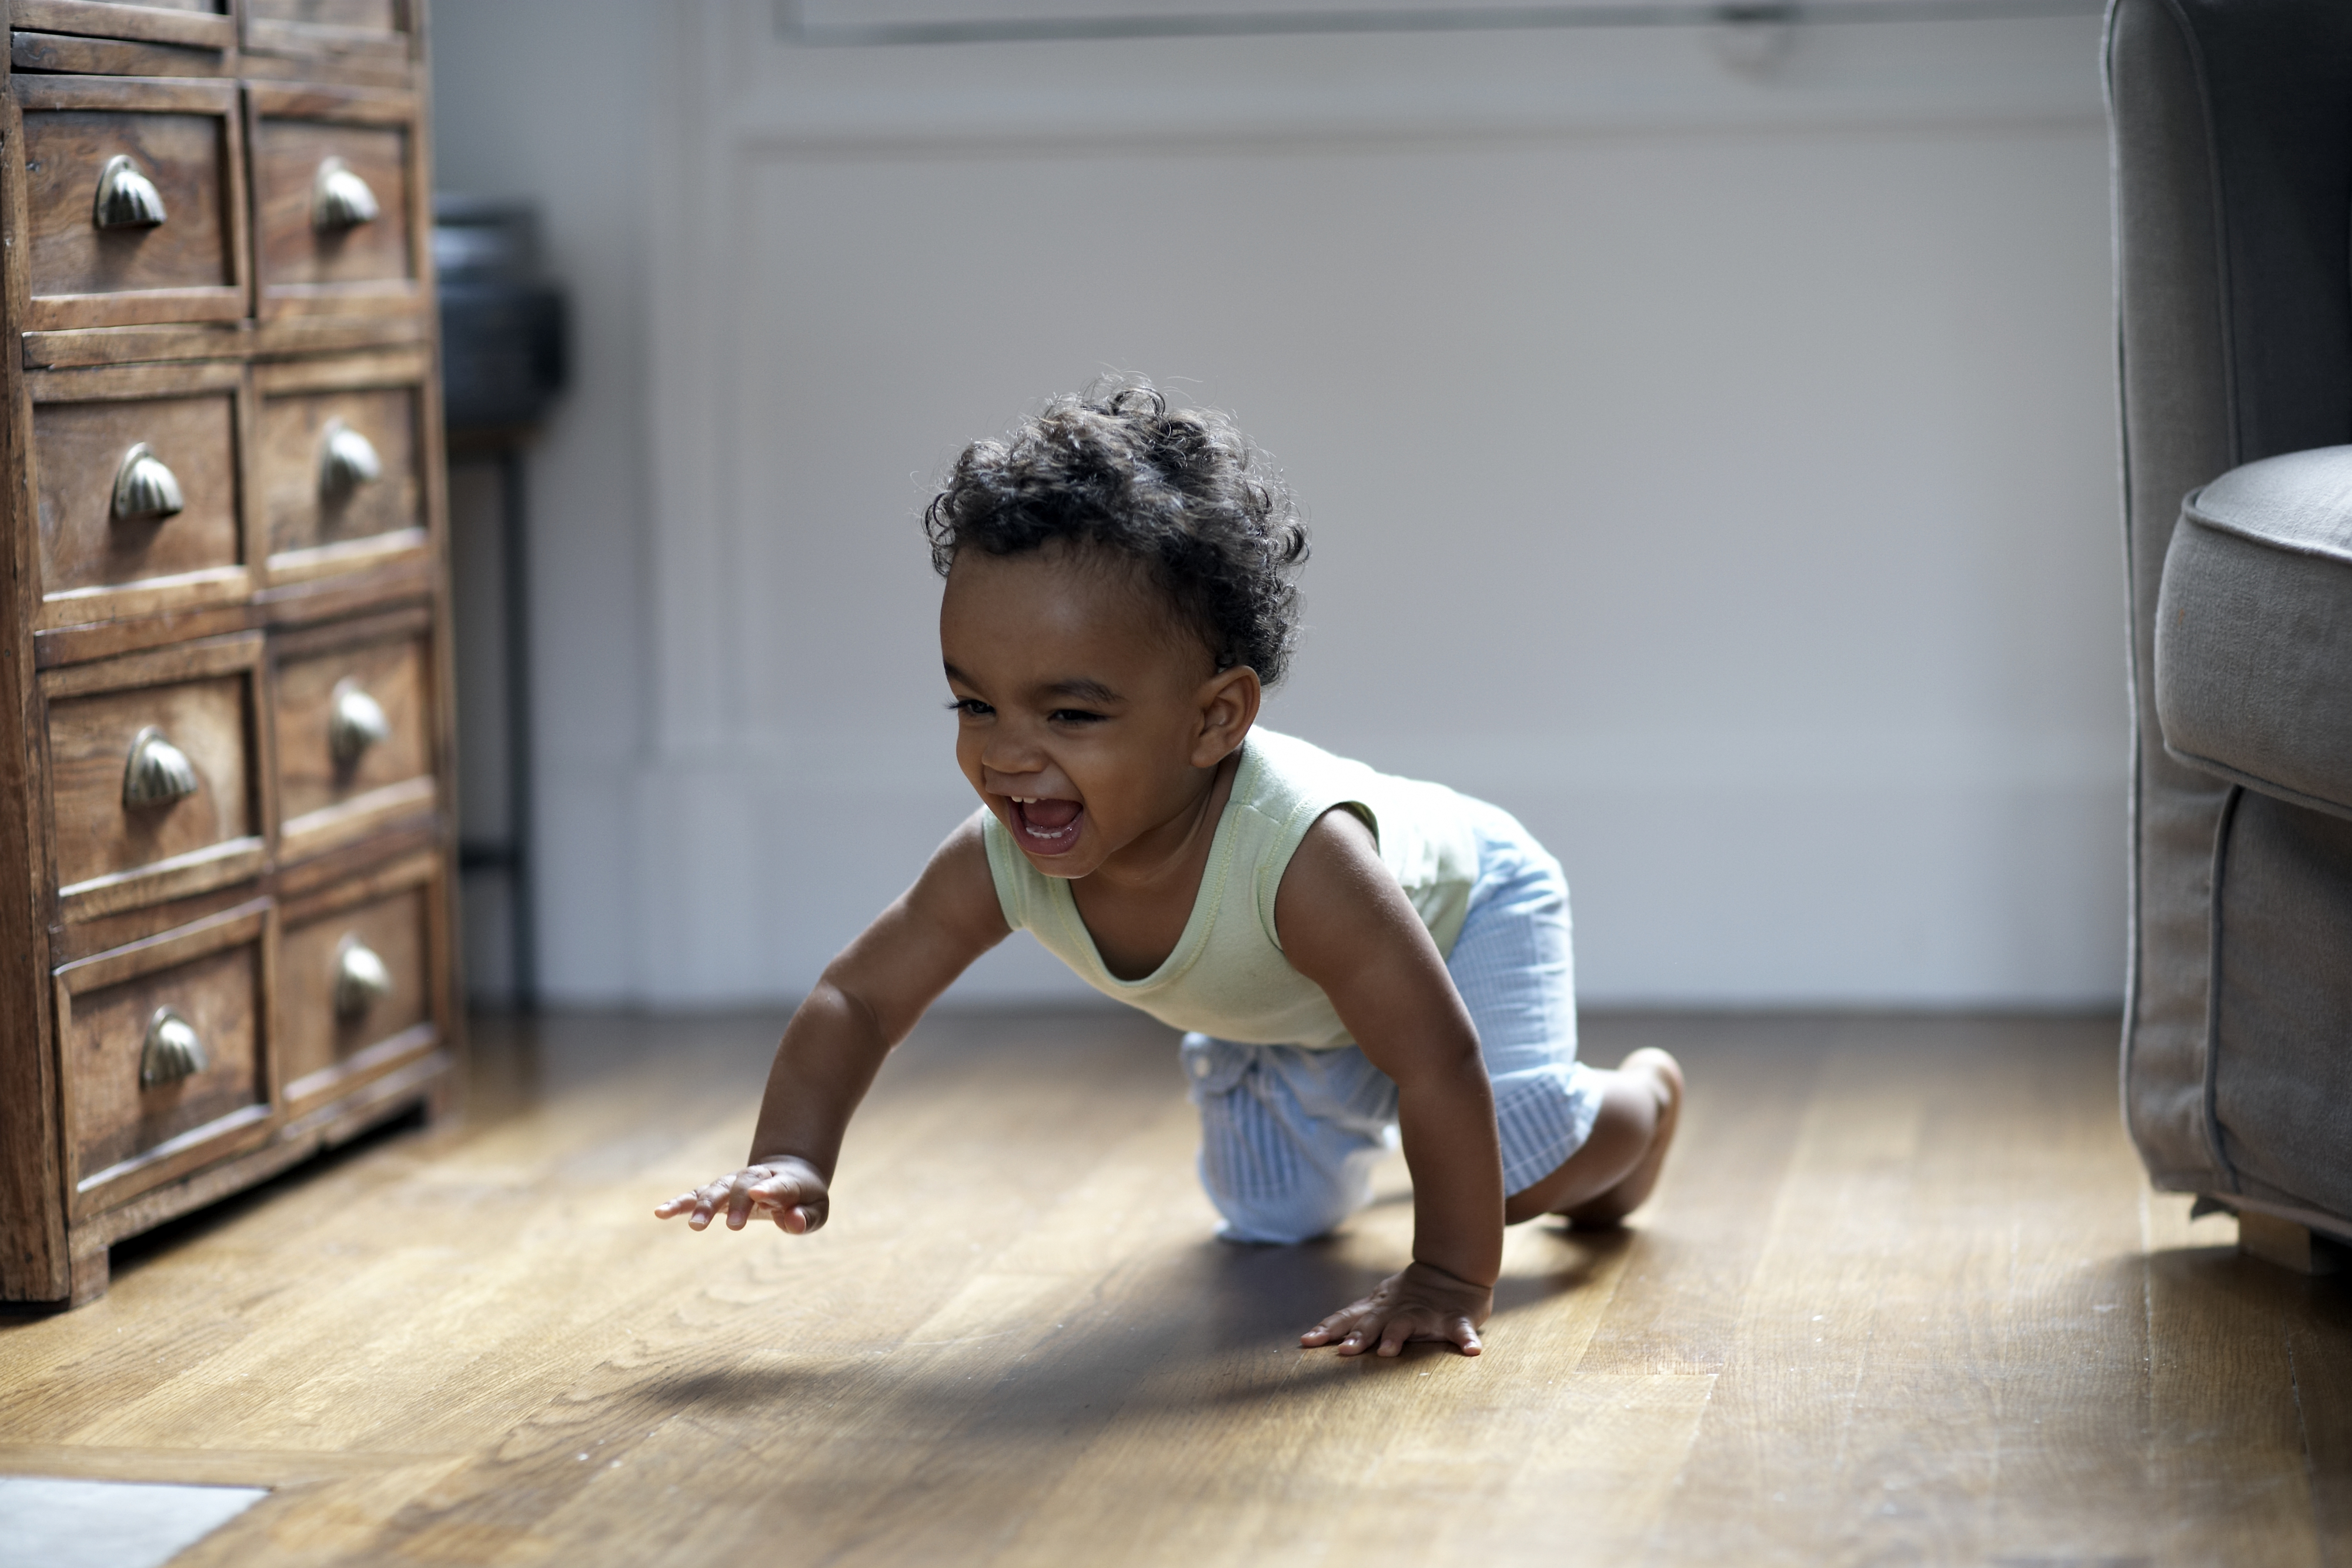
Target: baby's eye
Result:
[1074, 716]
[970, 707]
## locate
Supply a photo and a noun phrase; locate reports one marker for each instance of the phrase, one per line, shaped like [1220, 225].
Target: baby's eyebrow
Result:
[1084, 690]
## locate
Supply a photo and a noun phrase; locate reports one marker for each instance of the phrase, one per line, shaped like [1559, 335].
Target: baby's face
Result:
[1087, 718]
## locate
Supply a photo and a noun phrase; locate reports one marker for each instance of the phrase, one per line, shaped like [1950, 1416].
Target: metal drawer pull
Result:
[361, 980]
[144, 490]
[159, 773]
[126, 198]
[355, 721]
[173, 1050]
[347, 460]
[339, 199]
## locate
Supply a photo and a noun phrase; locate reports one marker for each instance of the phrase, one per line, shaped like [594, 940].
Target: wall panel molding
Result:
[1774, 403]
[859, 24]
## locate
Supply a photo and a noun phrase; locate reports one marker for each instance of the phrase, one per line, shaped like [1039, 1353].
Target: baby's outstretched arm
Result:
[1347, 926]
[866, 1002]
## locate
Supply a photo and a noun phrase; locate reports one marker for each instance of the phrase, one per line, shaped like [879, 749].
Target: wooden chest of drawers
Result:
[226, 736]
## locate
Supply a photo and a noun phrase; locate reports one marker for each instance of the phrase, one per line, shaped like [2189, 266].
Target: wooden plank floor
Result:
[1903, 1298]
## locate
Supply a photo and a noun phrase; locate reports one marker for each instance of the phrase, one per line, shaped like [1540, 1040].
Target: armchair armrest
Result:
[2253, 629]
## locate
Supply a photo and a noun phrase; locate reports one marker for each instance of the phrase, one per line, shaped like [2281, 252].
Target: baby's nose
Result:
[1010, 755]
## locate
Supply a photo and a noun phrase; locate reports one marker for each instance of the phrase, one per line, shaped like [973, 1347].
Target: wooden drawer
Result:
[194, 817]
[321, 513]
[355, 729]
[165, 1047]
[196, 23]
[108, 547]
[185, 142]
[104, 37]
[374, 31]
[324, 159]
[359, 985]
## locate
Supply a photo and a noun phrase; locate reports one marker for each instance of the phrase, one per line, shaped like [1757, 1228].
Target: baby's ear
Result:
[1229, 701]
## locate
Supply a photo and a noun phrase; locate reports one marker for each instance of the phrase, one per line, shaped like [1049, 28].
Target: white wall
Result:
[1717, 468]
[546, 100]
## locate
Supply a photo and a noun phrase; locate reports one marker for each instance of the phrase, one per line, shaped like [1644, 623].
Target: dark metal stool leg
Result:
[513, 525]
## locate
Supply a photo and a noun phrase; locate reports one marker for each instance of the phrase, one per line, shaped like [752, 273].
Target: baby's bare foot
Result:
[1666, 1075]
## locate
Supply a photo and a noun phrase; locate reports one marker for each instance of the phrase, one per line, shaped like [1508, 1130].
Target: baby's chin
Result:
[1079, 860]
[1067, 867]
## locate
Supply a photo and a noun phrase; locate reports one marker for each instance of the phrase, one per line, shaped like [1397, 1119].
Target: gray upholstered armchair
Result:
[2233, 125]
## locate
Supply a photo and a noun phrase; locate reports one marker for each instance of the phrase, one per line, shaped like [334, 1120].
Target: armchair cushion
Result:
[2253, 629]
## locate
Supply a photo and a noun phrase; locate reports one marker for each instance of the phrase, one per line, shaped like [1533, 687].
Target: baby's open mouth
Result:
[1047, 827]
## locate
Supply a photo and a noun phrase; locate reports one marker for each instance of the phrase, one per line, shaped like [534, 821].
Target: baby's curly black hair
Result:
[1179, 491]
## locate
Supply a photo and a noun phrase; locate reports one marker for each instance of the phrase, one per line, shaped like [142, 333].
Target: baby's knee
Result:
[1280, 1225]
[1312, 1203]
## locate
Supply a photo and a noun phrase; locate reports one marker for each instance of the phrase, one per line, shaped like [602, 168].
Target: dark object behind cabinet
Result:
[502, 327]
[504, 363]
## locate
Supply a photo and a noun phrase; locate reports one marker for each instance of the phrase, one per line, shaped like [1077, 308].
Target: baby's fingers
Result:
[1335, 1326]
[699, 1200]
[709, 1203]
[761, 1195]
[697, 1206]
[728, 1194]
[1405, 1327]
[1366, 1334]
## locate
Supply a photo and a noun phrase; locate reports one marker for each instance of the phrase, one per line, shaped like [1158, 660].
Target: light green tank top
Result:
[1227, 976]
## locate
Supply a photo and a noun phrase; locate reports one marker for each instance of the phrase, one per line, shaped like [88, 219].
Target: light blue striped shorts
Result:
[1289, 1135]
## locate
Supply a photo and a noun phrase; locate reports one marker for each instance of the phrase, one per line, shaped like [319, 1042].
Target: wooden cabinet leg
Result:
[2288, 1244]
[89, 1267]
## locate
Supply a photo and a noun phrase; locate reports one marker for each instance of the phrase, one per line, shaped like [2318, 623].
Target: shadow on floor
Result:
[1239, 1311]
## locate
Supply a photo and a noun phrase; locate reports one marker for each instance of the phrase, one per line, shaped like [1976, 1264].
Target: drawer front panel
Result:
[79, 450]
[351, 32]
[354, 739]
[154, 775]
[306, 504]
[186, 266]
[354, 993]
[299, 258]
[90, 741]
[134, 1098]
[204, 24]
[368, 16]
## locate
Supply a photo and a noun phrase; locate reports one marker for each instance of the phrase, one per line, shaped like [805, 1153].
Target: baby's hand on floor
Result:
[788, 1191]
[1423, 1303]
